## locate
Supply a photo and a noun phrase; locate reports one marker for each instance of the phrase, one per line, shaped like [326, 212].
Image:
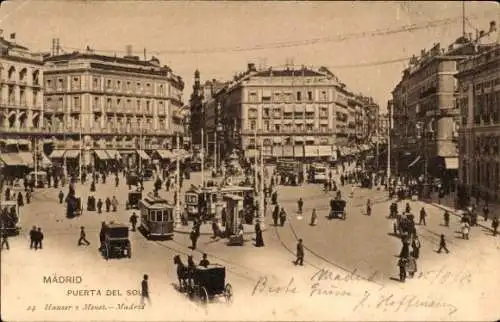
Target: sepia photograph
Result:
[249, 160]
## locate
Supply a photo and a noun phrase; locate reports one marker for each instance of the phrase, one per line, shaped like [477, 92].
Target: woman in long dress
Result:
[313, 217]
[411, 266]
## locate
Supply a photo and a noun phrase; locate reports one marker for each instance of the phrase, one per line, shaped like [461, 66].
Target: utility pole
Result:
[36, 163]
[256, 187]
[377, 125]
[389, 131]
[177, 219]
[202, 159]
[215, 150]
[262, 209]
[81, 152]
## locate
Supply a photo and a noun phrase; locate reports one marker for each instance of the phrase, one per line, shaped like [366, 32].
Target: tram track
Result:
[320, 257]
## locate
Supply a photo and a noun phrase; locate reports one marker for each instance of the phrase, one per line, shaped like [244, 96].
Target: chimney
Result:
[251, 67]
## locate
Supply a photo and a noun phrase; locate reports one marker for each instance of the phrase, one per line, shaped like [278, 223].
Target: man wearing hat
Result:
[82, 237]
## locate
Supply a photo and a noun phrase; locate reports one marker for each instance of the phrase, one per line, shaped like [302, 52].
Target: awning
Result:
[414, 162]
[288, 109]
[27, 158]
[310, 109]
[298, 139]
[309, 121]
[9, 141]
[287, 121]
[288, 151]
[323, 121]
[309, 138]
[23, 142]
[298, 151]
[277, 139]
[125, 152]
[113, 154]
[250, 153]
[102, 155]
[310, 151]
[298, 121]
[57, 154]
[325, 150]
[143, 155]
[72, 154]
[299, 109]
[11, 159]
[451, 163]
[165, 154]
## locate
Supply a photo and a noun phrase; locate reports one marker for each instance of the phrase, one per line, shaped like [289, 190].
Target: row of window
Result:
[267, 126]
[12, 98]
[487, 108]
[22, 76]
[110, 85]
[279, 113]
[483, 85]
[297, 96]
[287, 141]
[110, 104]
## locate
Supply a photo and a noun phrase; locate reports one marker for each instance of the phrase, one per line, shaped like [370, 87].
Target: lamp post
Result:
[202, 158]
[422, 134]
[261, 216]
[177, 219]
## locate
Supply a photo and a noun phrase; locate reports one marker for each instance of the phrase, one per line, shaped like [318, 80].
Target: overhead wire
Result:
[298, 43]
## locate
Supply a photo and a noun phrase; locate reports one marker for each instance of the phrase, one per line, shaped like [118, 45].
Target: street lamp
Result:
[422, 134]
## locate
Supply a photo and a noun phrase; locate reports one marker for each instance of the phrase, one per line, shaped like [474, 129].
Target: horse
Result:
[182, 273]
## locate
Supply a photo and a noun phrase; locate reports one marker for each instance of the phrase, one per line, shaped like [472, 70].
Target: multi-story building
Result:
[479, 102]
[290, 113]
[425, 112]
[212, 115]
[21, 100]
[110, 104]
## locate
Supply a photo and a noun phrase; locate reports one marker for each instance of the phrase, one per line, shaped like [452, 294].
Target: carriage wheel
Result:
[228, 293]
[129, 252]
[203, 295]
[107, 252]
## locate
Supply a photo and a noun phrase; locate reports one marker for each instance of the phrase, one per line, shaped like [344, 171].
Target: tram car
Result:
[134, 197]
[203, 200]
[337, 209]
[9, 218]
[157, 217]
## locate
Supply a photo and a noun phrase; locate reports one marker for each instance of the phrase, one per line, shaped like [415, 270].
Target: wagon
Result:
[337, 209]
[210, 282]
[133, 199]
[9, 217]
[116, 242]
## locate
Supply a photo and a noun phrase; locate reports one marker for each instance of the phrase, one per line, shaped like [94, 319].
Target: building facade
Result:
[283, 113]
[21, 101]
[117, 104]
[425, 112]
[479, 101]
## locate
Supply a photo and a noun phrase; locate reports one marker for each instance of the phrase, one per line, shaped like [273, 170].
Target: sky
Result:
[216, 36]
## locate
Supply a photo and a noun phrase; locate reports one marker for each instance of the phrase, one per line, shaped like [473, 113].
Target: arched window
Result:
[12, 73]
[22, 75]
[36, 77]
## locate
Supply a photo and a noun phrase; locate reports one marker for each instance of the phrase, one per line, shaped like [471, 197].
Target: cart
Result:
[132, 179]
[116, 242]
[133, 199]
[9, 218]
[337, 209]
[210, 282]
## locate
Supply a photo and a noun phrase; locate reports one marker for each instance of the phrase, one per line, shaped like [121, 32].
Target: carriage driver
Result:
[204, 262]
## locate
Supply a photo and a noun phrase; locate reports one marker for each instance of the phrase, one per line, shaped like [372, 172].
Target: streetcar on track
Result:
[157, 217]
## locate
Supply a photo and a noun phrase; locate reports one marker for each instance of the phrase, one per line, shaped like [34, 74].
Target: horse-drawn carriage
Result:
[73, 206]
[337, 209]
[9, 217]
[116, 242]
[204, 283]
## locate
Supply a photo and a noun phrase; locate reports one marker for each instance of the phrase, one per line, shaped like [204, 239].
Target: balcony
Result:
[291, 131]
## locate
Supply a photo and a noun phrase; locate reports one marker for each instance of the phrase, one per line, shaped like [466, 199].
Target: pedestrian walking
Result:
[38, 239]
[407, 208]
[61, 197]
[108, 204]
[494, 226]
[465, 230]
[446, 219]
[282, 217]
[5, 241]
[313, 217]
[92, 186]
[415, 245]
[99, 206]
[300, 204]
[423, 214]
[33, 237]
[194, 237]
[28, 197]
[145, 290]
[83, 238]
[259, 240]
[412, 266]
[368, 207]
[300, 253]
[402, 269]
[405, 249]
[20, 199]
[114, 203]
[486, 212]
[133, 221]
[117, 181]
[276, 212]
[442, 245]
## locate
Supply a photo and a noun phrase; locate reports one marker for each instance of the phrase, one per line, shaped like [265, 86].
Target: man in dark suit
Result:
[300, 253]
